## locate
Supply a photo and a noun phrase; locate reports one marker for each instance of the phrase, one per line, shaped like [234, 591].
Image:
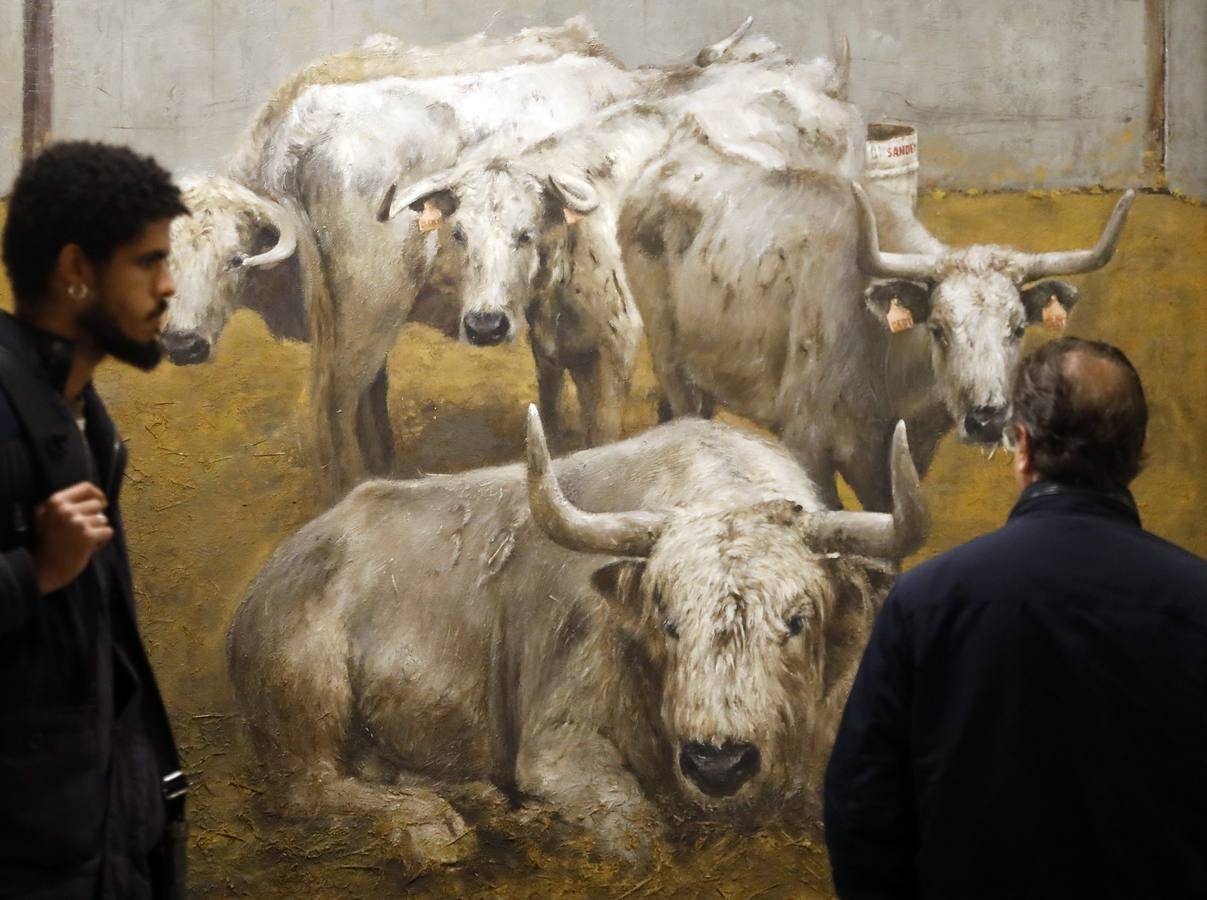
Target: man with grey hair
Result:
[1030, 715]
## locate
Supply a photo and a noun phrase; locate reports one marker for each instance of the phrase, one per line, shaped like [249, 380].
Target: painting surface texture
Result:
[527, 473]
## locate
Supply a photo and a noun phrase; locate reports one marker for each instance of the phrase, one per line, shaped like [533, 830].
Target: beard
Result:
[112, 341]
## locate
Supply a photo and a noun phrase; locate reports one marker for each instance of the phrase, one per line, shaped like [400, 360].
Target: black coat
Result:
[84, 738]
[1030, 717]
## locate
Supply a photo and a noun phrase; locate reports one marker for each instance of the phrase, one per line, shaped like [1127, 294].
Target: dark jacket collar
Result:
[1115, 503]
[47, 355]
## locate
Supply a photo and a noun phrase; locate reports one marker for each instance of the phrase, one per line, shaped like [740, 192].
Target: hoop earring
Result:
[77, 291]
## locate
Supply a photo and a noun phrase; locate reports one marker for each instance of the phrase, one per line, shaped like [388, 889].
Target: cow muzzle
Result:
[486, 329]
[719, 771]
[185, 348]
[986, 423]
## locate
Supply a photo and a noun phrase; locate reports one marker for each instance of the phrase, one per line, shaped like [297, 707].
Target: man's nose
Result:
[167, 284]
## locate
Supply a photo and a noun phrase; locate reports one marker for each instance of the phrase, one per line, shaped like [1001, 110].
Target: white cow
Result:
[534, 235]
[322, 170]
[668, 623]
[753, 282]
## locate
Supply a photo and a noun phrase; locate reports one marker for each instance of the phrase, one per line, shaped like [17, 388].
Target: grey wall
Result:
[11, 43]
[1007, 93]
[1186, 96]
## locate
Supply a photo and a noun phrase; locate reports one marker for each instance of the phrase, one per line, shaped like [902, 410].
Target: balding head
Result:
[1082, 406]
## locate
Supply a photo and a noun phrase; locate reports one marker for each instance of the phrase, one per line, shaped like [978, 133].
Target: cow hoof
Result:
[444, 843]
[631, 842]
[429, 833]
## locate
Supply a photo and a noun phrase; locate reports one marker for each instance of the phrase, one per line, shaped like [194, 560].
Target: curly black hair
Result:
[1082, 405]
[98, 196]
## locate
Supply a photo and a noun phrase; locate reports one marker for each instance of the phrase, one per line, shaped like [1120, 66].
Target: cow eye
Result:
[523, 237]
[1019, 331]
[671, 630]
[235, 262]
[458, 234]
[796, 625]
[937, 332]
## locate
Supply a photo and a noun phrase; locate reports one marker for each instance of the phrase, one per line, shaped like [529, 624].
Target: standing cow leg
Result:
[925, 432]
[866, 470]
[582, 776]
[356, 406]
[650, 279]
[812, 450]
[374, 431]
[550, 377]
[334, 401]
[602, 387]
[680, 395]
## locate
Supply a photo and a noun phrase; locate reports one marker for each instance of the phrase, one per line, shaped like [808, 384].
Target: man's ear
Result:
[620, 583]
[1049, 302]
[898, 304]
[1024, 466]
[74, 270]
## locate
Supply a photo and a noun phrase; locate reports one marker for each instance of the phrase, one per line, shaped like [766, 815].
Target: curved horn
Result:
[891, 536]
[1074, 262]
[395, 201]
[575, 193]
[620, 534]
[287, 237]
[917, 266]
[836, 86]
[713, 52]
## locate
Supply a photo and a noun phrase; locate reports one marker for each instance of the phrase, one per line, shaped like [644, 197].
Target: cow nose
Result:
[185, 347]
[719, 771]
[985, 423]
[486, 329]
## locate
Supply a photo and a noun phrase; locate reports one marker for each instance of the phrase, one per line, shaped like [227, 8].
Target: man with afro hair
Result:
[89, 775]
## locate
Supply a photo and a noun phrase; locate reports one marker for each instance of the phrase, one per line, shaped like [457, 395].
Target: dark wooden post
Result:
[1156, 71]
[37, 87]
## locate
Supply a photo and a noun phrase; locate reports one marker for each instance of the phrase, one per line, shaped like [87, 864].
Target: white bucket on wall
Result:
[891, 160]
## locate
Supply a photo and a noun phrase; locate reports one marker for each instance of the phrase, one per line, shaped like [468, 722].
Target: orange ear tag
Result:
[571, 215]
[899, 318]
[1056, 317]
[431, 217]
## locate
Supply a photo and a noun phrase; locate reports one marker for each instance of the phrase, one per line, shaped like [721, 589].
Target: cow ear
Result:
[899, 304]
[264, 239]
[573, 197]
[437, 194]
[1049, 302]
[862, 586]
[620, 583]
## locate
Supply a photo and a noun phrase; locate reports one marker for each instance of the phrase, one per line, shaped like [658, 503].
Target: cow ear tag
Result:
[899, 318]
[431, 217]
[1056, 317]
[571, 215]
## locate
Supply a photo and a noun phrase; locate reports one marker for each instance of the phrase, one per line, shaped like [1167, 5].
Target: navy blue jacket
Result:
[84, 738]
[1030, 717]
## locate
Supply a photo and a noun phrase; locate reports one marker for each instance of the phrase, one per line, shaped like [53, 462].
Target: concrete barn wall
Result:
[11, 42]
[1007, 93]
[1186, 96]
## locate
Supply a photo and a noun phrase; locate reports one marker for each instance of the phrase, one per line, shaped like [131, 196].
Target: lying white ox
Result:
[675, 616]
